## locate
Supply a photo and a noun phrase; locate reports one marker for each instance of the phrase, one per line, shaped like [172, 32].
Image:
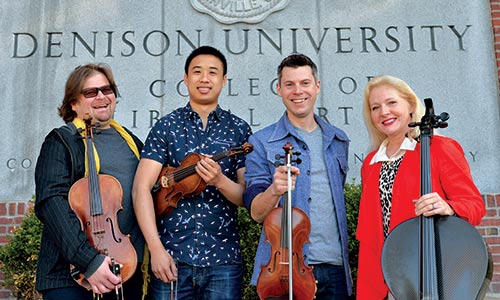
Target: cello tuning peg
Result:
[298, 161]
[444, 116]
[413, 124]
[277, 164]
[277, 156]
[296, 153]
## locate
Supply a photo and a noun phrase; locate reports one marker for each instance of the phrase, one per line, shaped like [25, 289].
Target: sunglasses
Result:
[92, 92]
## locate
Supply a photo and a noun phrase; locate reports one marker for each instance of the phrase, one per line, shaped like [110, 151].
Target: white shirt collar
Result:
[407, 144]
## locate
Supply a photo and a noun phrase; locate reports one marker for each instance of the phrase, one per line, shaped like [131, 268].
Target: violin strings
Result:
[94, 192]
[184, 172]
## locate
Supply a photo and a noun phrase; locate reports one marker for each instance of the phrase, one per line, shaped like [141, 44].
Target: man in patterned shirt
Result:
[195, 250]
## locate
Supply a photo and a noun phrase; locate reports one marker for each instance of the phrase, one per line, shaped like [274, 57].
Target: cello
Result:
[287, 228]
[436, 257]
[96, 199]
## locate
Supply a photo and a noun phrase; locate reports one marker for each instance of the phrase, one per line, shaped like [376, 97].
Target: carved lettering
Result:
[51, 43]
[346, 115]
[30, 43]
[252, 121]
[13, 164]
[359, 158]
[230, 88]
[254, 87]
[348, 85]
[153, 90]
[366, 39]
[154, 116]
[473, 154]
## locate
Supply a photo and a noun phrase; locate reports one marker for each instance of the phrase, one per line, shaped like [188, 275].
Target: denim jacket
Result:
[260, 167]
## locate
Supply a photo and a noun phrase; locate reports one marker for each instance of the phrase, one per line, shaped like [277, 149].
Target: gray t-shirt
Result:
[324, 237]
[117, 159]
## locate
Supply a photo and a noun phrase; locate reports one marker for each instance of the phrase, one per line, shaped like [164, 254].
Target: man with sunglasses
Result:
[195, 250]
[90, 92]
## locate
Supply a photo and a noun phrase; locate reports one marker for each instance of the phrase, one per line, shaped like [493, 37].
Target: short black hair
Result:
[295, 61]
[206, 50]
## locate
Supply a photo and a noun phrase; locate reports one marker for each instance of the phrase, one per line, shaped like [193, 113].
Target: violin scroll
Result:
[289, 153]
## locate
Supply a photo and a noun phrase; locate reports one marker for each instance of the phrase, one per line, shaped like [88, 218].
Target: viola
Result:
[96, 200]
[173, 184]
[451, 260]
[287, 228]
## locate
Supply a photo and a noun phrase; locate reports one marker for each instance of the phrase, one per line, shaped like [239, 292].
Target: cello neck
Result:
[428, 263]
[428, 273]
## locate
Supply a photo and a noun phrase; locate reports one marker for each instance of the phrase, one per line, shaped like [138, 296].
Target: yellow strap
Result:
[80, 124]
[126, 136]
[145, 272]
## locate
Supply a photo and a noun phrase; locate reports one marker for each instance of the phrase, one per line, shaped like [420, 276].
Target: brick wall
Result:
[495, 20]
[489, 229]
[11, 215]
[491, 223]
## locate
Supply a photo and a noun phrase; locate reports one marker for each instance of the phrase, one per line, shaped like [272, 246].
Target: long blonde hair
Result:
[405, 91]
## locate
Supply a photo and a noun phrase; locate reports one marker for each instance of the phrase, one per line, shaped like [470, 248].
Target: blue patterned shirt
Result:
[202, 230]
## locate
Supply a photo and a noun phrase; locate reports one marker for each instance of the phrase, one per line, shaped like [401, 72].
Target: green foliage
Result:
[352, 193]
[19, 258]
[250, 233]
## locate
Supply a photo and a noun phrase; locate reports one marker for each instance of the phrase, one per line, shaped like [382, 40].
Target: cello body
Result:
[461, 252]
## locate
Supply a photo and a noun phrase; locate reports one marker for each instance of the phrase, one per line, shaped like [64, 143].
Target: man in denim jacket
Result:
[318, 181]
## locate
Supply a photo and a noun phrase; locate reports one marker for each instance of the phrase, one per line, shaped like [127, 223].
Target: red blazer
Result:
[451, 179]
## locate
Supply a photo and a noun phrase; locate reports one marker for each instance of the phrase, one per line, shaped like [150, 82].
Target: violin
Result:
[287, 228]
[451, 260]
[175, 183]
[96, 200]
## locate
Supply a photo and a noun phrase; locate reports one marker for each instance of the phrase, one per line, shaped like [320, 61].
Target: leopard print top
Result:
[386, 181]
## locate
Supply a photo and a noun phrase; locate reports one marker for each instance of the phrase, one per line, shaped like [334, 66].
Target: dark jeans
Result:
[132, 290]
[67, 293]
[202, 283]
[331, 282]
